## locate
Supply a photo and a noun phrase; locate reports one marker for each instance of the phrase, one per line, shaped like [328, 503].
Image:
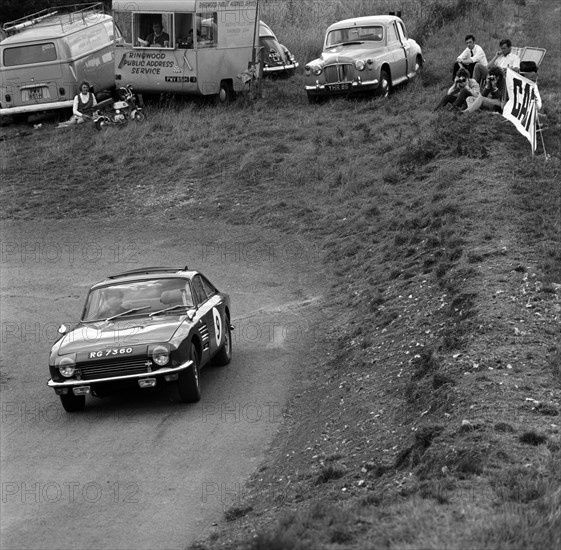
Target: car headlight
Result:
[160, 355]
[67, 365]
[317, 70]
[359, 64]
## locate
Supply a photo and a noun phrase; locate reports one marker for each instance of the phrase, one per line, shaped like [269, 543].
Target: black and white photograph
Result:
[280, 275]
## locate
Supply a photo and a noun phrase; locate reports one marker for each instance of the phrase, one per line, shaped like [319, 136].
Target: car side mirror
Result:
[62, 329]
[191, 313]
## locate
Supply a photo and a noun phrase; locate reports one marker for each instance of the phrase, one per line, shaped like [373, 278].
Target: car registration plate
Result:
[338, 87]
[113, 352]
[33, 94]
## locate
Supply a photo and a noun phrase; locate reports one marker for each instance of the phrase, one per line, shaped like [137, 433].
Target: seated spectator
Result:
[463, 87]
[493, 95]
[473, 59]
[157, 37]
[505, 59]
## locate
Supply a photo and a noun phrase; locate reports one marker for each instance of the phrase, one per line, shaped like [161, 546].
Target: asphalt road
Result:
[143, 471]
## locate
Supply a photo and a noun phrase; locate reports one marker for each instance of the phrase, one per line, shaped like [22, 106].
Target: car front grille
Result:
[110, 368]
[338, 73]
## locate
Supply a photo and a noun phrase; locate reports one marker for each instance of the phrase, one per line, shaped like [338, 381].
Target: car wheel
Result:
[383, 89]
[314, 99]
[224, 355]
[73, 403]
[189, 384]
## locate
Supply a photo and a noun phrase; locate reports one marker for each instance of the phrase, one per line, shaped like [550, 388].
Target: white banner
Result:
[520, 108]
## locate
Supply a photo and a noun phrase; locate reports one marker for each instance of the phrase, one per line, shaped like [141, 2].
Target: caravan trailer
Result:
[46, 55]
[186, 47]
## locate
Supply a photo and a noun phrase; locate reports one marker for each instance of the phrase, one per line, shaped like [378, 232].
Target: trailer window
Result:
[207, 30]
[184, 30]
[25, 55]
[123, 22]
[153, 30]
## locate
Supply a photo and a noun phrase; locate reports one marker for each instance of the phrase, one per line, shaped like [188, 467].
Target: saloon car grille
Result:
[338, 73]
[111, 368]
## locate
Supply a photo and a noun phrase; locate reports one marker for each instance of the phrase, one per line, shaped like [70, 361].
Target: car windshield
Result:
[355, 34]
[143, 297]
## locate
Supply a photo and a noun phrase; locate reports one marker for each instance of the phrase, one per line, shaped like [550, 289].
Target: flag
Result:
[521, 107]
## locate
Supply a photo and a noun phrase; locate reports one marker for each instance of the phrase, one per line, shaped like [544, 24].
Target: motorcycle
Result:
[118, 113]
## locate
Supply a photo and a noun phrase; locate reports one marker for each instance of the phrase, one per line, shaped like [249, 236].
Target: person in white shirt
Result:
[505, 59]
[473, 59]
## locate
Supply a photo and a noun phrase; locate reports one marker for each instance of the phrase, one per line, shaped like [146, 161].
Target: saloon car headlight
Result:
[317, 70]
[160, 355]
[359, 64]
[67, 365]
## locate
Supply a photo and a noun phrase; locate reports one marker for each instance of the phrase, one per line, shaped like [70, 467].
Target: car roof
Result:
[366, 20]
[147, 273]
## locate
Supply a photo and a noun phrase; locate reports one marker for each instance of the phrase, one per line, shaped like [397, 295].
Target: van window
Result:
[184, 30]
[123, 27]
[207, 30]
[153, 30]
[25, 55]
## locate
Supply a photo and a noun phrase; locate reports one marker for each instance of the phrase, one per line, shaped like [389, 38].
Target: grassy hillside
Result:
[431, 418]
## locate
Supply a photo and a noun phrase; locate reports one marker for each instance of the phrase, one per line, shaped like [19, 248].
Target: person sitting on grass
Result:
[463, 87]
[493, 95]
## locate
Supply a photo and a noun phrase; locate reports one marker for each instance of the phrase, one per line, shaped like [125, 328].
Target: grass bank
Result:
[431, 418]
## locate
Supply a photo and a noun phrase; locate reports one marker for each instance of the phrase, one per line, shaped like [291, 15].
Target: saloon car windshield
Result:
[355, 34]
[149, 297]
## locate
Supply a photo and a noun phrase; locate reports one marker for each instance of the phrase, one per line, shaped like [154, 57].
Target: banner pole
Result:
[541, 133]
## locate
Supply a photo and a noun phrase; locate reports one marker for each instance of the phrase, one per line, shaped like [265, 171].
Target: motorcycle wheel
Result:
[100, 124]
[139, 116]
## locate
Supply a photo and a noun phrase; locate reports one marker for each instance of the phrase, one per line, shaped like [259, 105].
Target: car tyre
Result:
[73, 403]
[314, 99]
[189, 380]
[383, 89]
[224, 355]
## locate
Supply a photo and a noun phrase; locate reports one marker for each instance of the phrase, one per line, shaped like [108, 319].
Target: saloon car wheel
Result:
[224, 355]
[314, 99]
[383, 89]
[73, 403]
[189, 383]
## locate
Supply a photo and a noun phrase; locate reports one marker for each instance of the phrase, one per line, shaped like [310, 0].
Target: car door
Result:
[410, 55]
[397, 53]
[203, 319]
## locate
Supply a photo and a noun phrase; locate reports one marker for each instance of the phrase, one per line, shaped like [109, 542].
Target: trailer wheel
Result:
[225, 95]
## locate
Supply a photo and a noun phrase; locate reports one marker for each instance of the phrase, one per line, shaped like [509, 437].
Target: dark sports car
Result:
[276, 59]
[140, 328]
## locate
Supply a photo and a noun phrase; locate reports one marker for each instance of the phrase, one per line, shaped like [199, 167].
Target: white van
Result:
[47, 54]
[189, 47]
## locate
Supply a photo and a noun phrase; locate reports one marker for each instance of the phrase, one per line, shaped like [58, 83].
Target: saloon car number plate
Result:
[113, 352]
[337, 87]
